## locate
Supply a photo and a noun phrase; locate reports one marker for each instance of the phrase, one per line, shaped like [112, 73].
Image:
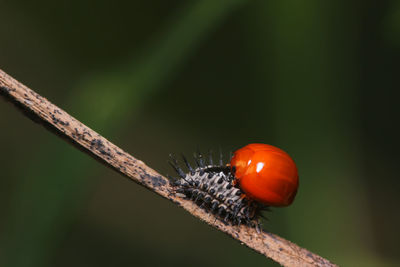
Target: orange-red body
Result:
[266, 174]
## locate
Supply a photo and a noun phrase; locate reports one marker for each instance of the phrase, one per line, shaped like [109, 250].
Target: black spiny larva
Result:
[212, 187]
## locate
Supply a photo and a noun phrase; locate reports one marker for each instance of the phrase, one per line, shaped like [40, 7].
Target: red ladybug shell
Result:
[266, 174]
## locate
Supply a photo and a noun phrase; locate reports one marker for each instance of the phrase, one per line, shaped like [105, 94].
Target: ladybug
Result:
[266, 174]
[258, 176]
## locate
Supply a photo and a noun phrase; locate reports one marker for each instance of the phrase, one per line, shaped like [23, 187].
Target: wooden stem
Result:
[61, 123]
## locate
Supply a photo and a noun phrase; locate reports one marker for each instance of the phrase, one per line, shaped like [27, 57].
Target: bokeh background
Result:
[316, 78]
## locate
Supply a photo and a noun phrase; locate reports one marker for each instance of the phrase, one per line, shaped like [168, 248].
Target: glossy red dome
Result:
[266, 174]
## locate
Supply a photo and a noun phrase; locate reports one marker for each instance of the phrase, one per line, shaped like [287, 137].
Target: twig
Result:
[61, 123]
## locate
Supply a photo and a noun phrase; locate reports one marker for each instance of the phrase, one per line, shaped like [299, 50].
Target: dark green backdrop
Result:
[316, 78]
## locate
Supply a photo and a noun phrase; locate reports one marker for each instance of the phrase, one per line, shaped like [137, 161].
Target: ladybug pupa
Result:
[258, 176]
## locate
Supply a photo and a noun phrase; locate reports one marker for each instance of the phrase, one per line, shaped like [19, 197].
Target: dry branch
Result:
[58, 121]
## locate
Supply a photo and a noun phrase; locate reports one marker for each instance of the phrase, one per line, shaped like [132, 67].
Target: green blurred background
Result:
[316, 78]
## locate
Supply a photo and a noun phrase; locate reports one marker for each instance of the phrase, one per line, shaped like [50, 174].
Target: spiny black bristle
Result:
[187, 164]
[221, 162]
[199, 159]
[177, 169]
[210, 158]
[175, 165]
